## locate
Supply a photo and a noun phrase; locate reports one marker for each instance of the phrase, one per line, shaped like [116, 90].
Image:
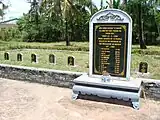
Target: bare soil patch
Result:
[31, 101]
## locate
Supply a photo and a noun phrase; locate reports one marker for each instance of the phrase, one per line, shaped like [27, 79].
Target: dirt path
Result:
[30, 101]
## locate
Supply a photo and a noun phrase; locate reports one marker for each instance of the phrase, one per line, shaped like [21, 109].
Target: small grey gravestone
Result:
[19, 57]
[6, 56]
[71, 61]
[52, 59]
[143, 67]
[33, 58]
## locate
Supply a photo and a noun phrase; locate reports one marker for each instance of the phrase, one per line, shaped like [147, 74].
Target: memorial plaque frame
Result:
[111, 17]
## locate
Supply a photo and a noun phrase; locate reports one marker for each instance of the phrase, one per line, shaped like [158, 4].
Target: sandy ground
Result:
[30, 101]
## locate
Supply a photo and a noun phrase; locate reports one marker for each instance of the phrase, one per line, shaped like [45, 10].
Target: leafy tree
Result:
[113, 4]
[144, 20]
[2, 10]
[57, 20]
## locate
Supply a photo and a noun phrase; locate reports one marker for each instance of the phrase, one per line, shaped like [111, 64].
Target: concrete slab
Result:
[132, 84]
[121, 90]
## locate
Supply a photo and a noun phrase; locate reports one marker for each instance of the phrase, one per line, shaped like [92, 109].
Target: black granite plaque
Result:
[52, 58]
[71, 61]
[110, 43]
[33, 58]
[143, 67]
[19, 57]
[6, 56]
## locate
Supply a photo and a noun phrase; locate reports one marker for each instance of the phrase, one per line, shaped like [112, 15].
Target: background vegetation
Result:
[68, 20]
[52, 25]
[151, 55]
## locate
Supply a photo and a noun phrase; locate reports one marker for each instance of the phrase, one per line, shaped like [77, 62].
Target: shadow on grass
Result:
[3, 43]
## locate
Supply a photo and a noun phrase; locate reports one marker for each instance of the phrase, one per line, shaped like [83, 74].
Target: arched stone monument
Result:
[110, 37]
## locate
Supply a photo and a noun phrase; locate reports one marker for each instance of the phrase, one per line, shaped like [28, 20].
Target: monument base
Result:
[125, 90]
[143, 75]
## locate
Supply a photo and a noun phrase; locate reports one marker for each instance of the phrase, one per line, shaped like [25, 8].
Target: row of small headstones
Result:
[143, 66]
[52, 58]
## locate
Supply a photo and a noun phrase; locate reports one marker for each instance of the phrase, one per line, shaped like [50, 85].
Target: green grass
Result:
[153, 64]
[151, 50]
[78, 46]
[75, 46]
[151, 55]
[43, 59]
[81, 60]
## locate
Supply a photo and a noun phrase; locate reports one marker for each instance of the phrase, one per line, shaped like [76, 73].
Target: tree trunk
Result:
[91, 8]
[66, 36]
[101, 4]
[124, 2]
[141, 37]
[111, 4]
[60, 16]
[72, 29]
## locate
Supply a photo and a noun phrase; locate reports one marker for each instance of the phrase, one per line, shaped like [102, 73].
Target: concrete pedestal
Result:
[125, 90]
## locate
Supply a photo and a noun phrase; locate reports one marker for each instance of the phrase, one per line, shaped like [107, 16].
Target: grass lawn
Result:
[150, 55]
[153, 64]
[81, 59]
[79, 46]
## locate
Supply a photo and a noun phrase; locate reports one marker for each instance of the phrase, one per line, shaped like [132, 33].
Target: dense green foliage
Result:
[8, 34]
[57, 20]
[146, 20]
[68, 20]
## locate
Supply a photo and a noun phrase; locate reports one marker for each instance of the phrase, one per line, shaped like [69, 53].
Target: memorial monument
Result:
[109, 59]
